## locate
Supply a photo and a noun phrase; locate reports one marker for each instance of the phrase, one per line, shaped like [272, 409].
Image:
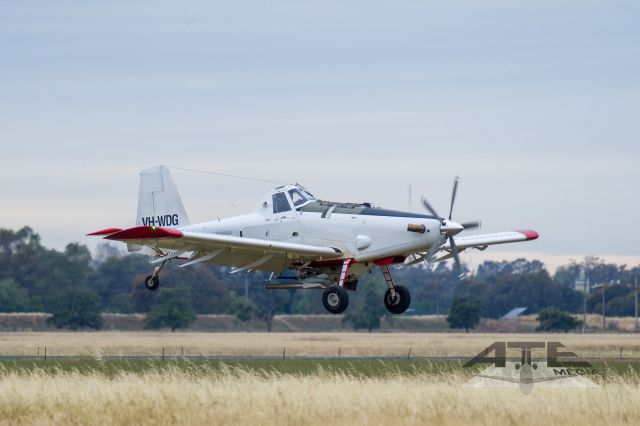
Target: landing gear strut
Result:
[397, 298]
[152, 282]
[335, 299]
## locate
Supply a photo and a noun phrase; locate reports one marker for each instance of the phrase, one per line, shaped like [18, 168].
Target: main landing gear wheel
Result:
[151, 282]
[335, 299]
[399, 303]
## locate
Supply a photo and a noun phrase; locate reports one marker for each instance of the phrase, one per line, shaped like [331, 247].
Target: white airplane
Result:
[305, 242]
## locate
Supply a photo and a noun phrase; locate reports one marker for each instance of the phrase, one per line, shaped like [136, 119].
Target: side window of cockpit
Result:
[297, 197]
[280, 203]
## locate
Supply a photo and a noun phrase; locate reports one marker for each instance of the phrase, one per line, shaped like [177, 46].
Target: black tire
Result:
[152, 282]
[400, 303]
[335, 299]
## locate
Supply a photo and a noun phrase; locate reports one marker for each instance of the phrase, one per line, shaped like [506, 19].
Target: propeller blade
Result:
[427, 206]
[453, 195]
[454, 252]
[471, 225]
[435, 248]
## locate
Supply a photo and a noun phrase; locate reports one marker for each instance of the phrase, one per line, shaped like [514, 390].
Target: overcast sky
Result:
[534, 104]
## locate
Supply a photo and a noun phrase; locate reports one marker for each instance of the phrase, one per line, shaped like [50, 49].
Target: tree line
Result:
[34, 278]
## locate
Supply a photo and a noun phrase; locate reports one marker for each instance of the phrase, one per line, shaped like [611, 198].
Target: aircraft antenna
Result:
[226, 175]
[236, 208]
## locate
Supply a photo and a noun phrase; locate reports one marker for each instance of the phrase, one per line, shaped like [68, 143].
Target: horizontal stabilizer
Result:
[144, 232]
[107, 231]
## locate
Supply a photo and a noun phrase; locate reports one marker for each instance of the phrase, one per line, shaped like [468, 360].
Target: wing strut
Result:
[167, 257]
[203, 258]
[258, 262]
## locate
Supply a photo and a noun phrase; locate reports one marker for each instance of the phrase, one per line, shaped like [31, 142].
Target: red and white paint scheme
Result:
[305, 242]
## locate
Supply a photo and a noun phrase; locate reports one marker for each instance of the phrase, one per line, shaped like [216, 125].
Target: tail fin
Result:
[159, 203]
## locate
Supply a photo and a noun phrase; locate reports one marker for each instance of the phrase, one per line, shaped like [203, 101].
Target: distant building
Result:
[514, 313]
[582, 283]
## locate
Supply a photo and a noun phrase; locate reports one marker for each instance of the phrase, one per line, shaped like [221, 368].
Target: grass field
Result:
[293, 392]
[364, 368]
[98, 344]
[100, 388]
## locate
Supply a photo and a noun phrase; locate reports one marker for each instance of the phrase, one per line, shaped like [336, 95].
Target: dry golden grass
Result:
[213, 396]
[241, 397]
[316, 344]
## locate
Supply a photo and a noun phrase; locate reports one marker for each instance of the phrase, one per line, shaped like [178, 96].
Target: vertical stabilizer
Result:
[159, 203]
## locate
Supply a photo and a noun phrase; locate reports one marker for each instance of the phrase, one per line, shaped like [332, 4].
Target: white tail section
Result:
[158, 201]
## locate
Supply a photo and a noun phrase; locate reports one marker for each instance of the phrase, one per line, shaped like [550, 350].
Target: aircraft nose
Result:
[450, 228]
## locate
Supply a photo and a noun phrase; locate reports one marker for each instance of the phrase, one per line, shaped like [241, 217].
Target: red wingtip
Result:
[142, 232]
[531, 235]
[106, 231]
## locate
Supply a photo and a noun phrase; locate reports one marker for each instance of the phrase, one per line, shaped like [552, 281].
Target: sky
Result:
[535, 105]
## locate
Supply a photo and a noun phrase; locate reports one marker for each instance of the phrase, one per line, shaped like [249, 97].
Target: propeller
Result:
[427, 206]
[453, 194]
[448, 228]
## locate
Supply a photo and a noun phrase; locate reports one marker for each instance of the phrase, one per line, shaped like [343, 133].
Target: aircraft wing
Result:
[483, 241]
[241, 253]
[479, 242]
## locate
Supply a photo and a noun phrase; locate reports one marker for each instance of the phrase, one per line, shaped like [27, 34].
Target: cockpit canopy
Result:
[289, 197]
[295, 197]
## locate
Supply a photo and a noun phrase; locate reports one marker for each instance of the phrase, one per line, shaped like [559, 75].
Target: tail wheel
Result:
[399, 303]
[335, 299]
[152, 282]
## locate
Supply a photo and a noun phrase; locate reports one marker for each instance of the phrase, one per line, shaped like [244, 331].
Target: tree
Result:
[121, 304]
[553, 319]
[368, 309]
[206, 294]
[621, 306]
[488, 270]
[107, 250]
[76, 308]
[240, 307]
[464, 314]
[267, 302]
[13, 298]
[173, 311]
[500, 293]
[363, 318]
[567, 275]
[431, 288]
[116, 276]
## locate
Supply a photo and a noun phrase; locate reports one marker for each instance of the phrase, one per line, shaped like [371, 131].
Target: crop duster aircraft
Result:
[305, 242]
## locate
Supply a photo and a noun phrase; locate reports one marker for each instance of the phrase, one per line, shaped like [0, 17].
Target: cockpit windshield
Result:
[298, 197]
[309, 196]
